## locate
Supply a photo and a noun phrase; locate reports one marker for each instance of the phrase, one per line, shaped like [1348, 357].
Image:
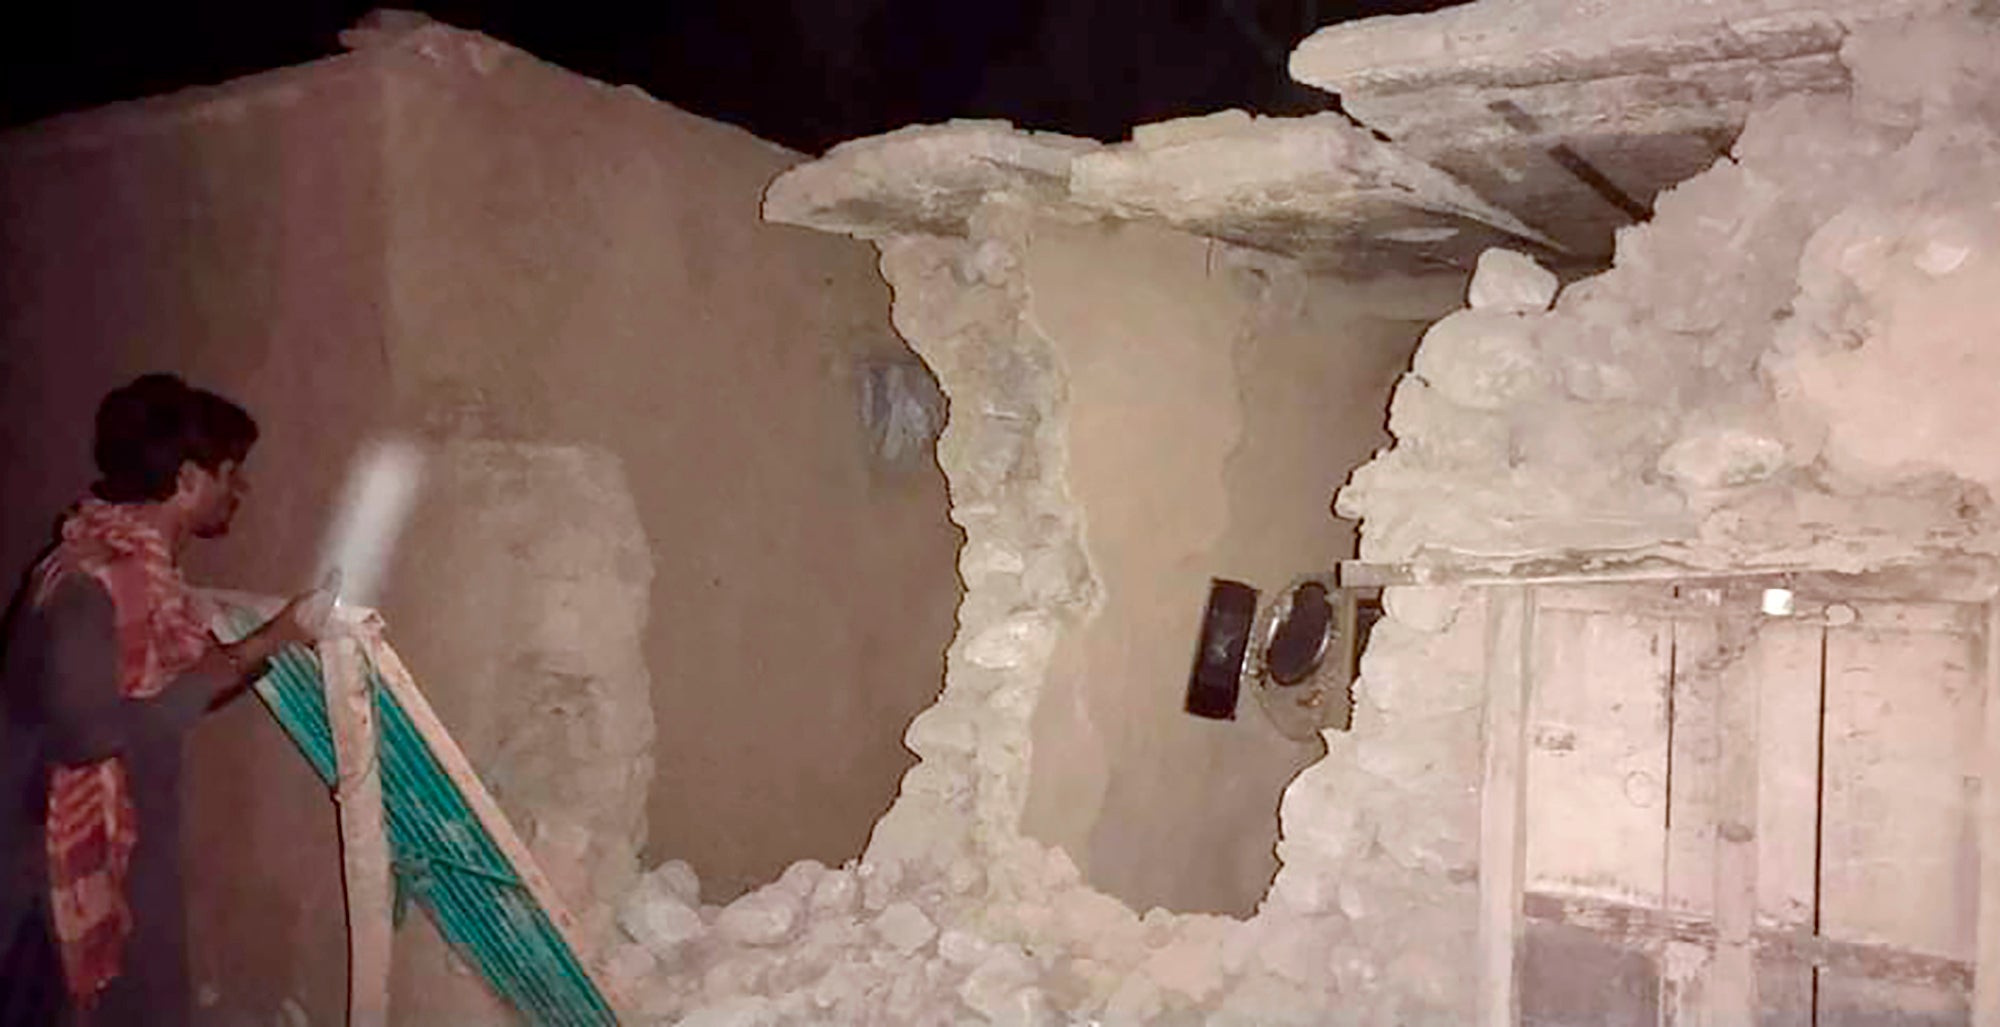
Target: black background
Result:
[805, 73]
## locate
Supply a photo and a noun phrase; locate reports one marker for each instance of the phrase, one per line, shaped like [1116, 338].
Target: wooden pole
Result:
[364, 847]
[1986, 977]
[1732, 983]
[1503, 798]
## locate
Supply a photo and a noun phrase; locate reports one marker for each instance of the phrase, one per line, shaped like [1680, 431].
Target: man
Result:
[107, 662]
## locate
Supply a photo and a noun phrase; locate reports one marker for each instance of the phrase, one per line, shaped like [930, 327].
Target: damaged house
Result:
[1629, 383]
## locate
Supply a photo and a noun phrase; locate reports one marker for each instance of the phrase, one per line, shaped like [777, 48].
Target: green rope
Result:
[442, 857]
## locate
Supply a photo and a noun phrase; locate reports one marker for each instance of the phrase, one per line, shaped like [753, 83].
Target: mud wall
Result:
[652, 513]
[1213, 407]
[573, 263]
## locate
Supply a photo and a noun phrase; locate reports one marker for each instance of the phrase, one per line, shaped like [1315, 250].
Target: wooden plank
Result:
[1788, 732]
[1597, 753]
[451, 759]
[1972, 580]
[1510, 628]
[1572, 976]
[1898, 850]
[1744, 790]
[1699, 662]
[1745, 704]
[1702, 659]
[1787, 806]
[1642, 925]
[364, 844]
[1986, 997]
[1899, 864]
[1732, 985]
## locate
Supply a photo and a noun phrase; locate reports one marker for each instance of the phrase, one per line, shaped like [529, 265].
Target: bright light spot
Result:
[380, 490]
[1778, 602]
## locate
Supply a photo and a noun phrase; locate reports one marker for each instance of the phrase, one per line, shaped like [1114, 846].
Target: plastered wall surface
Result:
[1212, 408]
[640, 409]
[236, 238]
[540, 657]
[624, 296]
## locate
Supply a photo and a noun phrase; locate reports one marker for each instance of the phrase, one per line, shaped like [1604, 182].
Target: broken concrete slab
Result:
[1317, 189]
[1574, 114]
[925, 179]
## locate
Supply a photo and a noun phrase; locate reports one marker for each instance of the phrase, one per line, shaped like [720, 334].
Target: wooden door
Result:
[1728, 817]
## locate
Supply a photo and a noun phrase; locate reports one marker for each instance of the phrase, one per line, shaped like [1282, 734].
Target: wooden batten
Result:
[364, 844]
[1503, 804]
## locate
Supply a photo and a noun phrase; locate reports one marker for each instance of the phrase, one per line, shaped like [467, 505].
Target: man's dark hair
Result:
[147, 429]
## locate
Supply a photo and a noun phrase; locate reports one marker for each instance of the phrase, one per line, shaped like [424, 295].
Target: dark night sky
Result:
[806, 73]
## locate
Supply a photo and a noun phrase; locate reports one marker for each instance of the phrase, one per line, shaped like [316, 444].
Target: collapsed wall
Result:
[953, 915]
[1784, 368]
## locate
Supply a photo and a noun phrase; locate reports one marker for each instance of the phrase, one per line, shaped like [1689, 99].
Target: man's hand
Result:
[301, 622]
[304, 619]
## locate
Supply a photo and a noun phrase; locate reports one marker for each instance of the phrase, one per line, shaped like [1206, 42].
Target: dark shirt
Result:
[60, 705]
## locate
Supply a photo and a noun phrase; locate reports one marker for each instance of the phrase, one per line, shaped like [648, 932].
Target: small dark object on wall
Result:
[1300, 639]
[1218, 660]
[902, 410]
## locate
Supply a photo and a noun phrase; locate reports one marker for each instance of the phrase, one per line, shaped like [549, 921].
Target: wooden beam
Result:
[1641, 926]
[1944, 580]
[1986, 981]
[1731, 995]
[1503, 804]
[364, 845]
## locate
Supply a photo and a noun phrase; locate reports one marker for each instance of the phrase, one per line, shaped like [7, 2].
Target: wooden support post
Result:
[364, 847]
[1986, 975]
[1732, 983]
[1503, 797]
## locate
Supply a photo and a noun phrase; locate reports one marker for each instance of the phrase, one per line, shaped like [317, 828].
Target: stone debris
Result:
[1776, 369]
[657, 919]
[1577, 130]
[763, 917]
[1512, 283]
[905, 928]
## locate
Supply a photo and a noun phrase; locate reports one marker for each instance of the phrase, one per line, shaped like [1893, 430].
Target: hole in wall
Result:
[1194, 457]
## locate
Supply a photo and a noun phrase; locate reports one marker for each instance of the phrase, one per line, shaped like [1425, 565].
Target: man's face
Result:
[215, 496]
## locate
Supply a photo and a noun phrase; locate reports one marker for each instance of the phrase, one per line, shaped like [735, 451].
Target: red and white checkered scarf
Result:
[92, 830]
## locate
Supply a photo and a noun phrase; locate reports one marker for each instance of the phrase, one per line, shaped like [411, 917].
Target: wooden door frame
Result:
[1509, 606]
